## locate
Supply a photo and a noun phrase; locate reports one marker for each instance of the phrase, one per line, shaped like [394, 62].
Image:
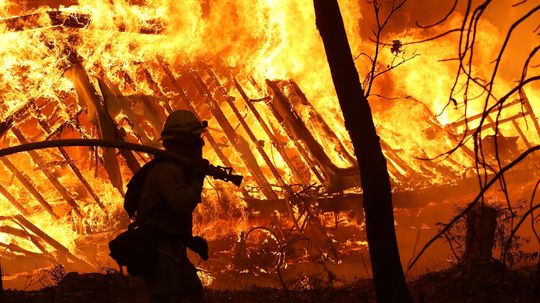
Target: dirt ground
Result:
[453, 285]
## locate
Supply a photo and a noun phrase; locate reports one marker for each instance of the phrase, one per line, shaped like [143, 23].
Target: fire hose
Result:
[216, 172]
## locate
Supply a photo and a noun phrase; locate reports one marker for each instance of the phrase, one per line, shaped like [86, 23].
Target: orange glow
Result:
[248, 41]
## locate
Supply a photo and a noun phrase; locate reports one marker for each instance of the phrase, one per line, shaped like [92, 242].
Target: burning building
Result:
[257, 72]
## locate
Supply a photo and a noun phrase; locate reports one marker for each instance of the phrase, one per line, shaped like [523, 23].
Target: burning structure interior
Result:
[113, 70]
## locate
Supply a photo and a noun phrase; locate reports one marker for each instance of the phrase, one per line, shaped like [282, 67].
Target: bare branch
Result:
[484, 189]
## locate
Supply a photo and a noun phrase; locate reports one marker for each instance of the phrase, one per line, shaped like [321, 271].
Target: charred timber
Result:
[270, 134]
[337, 179]
[73, 167]
[53, 179]
[188, 103]
[61, 249]
[239, 143]
[298, 99]
[29, 186]
[13, 201]
[21, 113]
[229, 100]
[55, 18]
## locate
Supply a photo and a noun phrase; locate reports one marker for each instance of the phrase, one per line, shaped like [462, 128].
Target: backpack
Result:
[136, 248]
[135, 187]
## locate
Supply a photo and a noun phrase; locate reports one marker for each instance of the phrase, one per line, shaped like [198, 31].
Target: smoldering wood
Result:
[53, 179]
[29, 186]
[481, 225]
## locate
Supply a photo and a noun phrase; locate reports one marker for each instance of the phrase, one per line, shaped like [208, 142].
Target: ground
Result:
[453, 285]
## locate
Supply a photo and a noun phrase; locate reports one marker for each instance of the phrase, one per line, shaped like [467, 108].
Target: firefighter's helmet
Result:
[181, 123]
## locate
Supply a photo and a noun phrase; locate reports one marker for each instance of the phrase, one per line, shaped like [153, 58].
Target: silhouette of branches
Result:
[468, 86]
[381, 23]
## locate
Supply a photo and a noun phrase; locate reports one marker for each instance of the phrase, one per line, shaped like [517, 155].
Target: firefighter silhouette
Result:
[168, 197]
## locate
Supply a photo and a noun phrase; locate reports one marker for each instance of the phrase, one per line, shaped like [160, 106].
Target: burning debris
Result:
[78, 72]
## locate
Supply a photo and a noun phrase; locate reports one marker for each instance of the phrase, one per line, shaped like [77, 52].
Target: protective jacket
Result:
[170, 194]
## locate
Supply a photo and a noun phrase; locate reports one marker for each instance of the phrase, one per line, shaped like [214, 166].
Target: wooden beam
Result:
[232, 136]
[52, 242]
[29, 186]
[299, 178]
[189, 104]
[54, 181]
[73, 167]
[13, 201]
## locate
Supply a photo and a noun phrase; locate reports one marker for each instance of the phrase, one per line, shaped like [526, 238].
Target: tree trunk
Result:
[481, 224]
[388, 275]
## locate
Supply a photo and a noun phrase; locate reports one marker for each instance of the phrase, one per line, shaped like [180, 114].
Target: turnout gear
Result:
[161, 197]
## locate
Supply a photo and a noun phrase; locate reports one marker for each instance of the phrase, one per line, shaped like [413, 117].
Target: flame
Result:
[265, 39]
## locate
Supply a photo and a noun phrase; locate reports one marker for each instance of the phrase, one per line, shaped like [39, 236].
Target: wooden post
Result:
[481, 224]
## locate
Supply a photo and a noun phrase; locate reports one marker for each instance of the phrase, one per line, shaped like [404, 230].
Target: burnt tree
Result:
[388, 275]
